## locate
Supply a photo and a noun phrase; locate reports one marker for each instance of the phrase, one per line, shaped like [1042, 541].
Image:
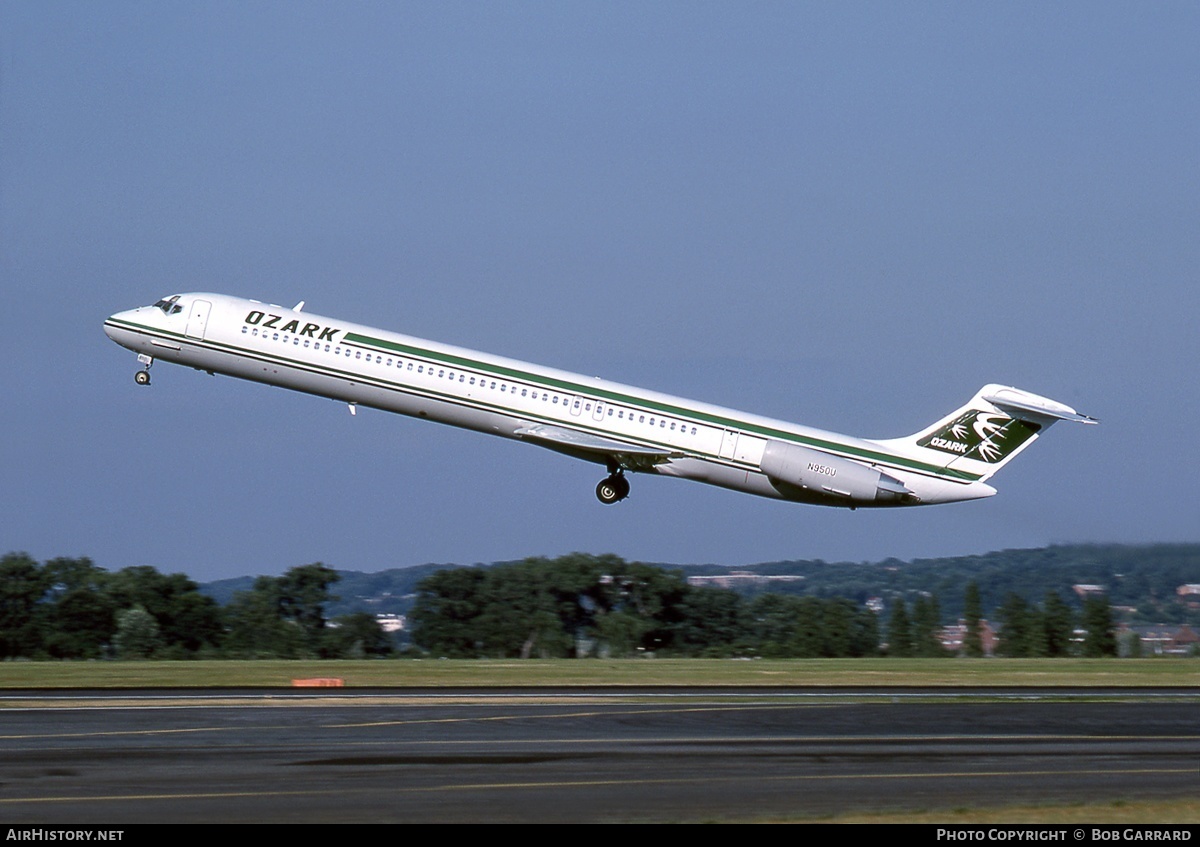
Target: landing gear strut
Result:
[613, 488]
[143, 377]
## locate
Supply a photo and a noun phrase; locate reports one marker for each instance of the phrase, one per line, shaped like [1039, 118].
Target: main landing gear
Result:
[142, 377]
[613, 488]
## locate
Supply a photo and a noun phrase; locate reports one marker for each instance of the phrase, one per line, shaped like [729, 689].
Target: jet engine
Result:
[801, 473]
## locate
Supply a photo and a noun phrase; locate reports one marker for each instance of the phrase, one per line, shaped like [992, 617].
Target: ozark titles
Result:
[309, 330]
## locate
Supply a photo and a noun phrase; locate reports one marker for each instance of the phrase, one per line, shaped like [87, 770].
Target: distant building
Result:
[1163, 639]
[953, 637]
[738, 578]
[1085, 591]
[392, 623]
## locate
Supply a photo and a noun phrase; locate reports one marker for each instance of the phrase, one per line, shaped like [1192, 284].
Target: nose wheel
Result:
[612, 489]
[142, 377]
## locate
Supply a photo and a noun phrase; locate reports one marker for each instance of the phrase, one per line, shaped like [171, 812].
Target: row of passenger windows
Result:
[443, 373]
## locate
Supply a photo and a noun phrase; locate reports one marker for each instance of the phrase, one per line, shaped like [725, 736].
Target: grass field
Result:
[1135, 673]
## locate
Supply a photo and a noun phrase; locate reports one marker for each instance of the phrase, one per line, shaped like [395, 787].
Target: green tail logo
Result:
[983, 436]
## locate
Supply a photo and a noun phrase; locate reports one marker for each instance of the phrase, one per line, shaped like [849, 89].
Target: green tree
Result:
[187, 620]
[773, 623]
[445, 616]
[899, 631]
[711, 621]
[22, 585]
[972, 618]
[1098, 623]
[303, 593]
[623, 632]
[356, 636]
[1016, 627]
[926, 627]
[865, 633]
[255, 630]
[78, 615]
[1058, 623]
[138, 636]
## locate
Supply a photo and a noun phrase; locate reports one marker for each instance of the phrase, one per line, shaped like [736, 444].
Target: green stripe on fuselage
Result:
[662, 408]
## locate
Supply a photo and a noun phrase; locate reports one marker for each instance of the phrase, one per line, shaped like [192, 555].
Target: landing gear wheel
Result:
[612, 489]
[142, 377]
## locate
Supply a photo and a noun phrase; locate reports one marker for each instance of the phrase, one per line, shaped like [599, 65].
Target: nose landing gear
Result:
[142, 377]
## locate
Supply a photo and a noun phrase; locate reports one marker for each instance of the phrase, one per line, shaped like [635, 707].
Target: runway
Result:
[543, 755]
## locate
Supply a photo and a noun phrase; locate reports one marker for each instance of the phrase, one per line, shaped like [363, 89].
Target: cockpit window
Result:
[170, 305]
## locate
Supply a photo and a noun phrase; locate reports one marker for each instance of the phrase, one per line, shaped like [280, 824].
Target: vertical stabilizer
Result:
[988, 432]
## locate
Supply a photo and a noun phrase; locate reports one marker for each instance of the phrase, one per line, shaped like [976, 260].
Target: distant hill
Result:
[1142, 577]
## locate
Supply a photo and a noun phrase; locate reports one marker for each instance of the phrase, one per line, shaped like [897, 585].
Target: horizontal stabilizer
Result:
[1022, 404]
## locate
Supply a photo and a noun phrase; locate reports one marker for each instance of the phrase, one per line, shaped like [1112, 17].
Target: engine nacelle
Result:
[801, 473]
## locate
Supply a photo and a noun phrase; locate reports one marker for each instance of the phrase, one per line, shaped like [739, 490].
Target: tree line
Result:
[572, 606]
[580, 605]
[71, 609]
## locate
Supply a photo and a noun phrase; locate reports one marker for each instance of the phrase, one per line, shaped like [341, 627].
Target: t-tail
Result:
[983, 436]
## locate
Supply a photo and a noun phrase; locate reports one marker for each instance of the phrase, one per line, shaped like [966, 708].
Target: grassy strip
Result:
[632, 672]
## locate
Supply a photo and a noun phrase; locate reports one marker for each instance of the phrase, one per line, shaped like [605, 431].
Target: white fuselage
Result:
[585, 417]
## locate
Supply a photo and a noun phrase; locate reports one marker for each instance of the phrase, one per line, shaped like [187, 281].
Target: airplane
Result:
[624, 428]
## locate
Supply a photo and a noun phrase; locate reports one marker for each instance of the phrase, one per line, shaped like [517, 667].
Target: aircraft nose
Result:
[115, 323]
[110, 324]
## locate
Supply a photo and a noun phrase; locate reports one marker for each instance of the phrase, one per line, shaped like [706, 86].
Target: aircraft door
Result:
[576, 405]
[598, 412]
[198, 318]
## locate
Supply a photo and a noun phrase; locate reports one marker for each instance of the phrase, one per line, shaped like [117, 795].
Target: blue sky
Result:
[850, 215]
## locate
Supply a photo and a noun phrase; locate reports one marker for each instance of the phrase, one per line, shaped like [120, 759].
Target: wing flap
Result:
[596, 448]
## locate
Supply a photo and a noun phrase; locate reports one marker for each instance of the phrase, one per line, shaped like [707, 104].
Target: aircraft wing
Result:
[596, 448]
